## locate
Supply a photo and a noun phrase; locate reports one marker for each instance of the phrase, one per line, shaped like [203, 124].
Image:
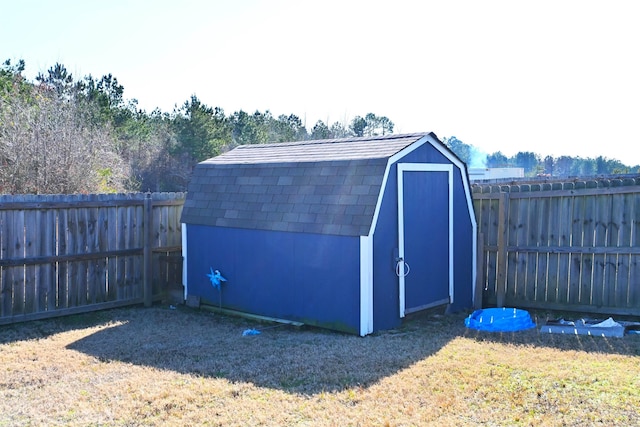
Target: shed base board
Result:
[426, 306]
[249, 315]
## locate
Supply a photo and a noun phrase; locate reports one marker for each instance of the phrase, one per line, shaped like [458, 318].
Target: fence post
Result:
[480, 273]
[148, 230]
[503, 206]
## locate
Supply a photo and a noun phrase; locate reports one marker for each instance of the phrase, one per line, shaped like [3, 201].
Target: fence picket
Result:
[541, 239]
[551, 294]
[585, 295]
[494, 219]
[511, 239]
[566, 208]
[620, 210]
[136, 264]
[575, 268]
[131, 265]
[31, 236]
[603, 213]
[112, 230]
[480, 207]
[73, 236]
[47, 231]
[123, 232]
[159, 235]
[93, 246]
[520, 284]
[100, 245]
[82, 285]
[16, 251]
[532, 240]
[62, 299]
[6, 273]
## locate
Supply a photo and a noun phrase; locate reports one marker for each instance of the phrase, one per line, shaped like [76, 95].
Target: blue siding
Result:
[386, 311]
[462, 248]
[310, 278]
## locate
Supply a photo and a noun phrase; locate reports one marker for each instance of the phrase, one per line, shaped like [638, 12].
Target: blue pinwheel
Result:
[216, 278]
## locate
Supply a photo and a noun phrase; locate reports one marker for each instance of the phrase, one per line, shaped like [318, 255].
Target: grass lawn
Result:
[185, 367]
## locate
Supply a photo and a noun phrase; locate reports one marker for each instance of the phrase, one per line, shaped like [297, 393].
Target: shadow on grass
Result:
[296, 360]
[628, 345]
[299, 360]
[41, 329]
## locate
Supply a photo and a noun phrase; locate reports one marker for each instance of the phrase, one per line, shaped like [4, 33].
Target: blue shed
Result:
[349, 234]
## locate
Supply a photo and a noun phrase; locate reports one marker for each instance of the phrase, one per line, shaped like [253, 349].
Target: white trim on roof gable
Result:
[408, 149]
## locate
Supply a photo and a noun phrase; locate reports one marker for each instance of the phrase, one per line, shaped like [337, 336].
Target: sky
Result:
[559, 77]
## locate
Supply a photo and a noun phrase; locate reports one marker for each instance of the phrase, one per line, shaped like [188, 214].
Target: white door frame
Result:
[421, 167]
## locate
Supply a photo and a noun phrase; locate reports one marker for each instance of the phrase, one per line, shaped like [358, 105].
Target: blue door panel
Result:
[426, 237]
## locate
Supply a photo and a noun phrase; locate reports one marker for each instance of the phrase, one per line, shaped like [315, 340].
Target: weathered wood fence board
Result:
[67, 254]
[561, 245]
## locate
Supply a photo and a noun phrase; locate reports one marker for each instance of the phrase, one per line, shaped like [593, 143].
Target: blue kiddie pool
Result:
[499, 320]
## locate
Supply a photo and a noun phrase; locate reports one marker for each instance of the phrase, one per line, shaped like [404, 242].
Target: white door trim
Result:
[421, 167]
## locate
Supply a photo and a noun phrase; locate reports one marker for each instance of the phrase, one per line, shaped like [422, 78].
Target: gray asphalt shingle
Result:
[324, 187]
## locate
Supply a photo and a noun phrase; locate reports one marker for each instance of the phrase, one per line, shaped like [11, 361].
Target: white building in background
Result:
[476, 174]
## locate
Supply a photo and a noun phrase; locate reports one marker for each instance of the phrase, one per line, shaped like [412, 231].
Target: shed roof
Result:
[322, 186]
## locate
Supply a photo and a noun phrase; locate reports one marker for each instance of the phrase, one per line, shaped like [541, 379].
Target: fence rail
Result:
[67, 254]
[561, 245]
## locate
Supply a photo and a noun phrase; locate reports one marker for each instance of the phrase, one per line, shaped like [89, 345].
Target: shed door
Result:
[425, 230]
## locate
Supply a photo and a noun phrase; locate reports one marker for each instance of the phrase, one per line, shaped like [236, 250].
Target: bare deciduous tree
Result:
[48, 146]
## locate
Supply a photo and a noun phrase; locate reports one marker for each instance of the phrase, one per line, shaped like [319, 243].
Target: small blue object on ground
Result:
[500, 320]
[250, 332]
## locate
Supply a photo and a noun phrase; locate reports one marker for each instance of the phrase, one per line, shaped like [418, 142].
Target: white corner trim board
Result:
[184, 259]
[366, 285]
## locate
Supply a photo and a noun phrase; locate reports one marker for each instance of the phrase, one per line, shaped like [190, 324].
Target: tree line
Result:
[59, 134]
[537, 165]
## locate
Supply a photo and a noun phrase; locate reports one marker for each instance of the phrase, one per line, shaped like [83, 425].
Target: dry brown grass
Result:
[181, 367]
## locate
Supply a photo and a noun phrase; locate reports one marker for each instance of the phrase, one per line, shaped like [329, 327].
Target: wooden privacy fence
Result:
[67, 254]
[561, 245]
